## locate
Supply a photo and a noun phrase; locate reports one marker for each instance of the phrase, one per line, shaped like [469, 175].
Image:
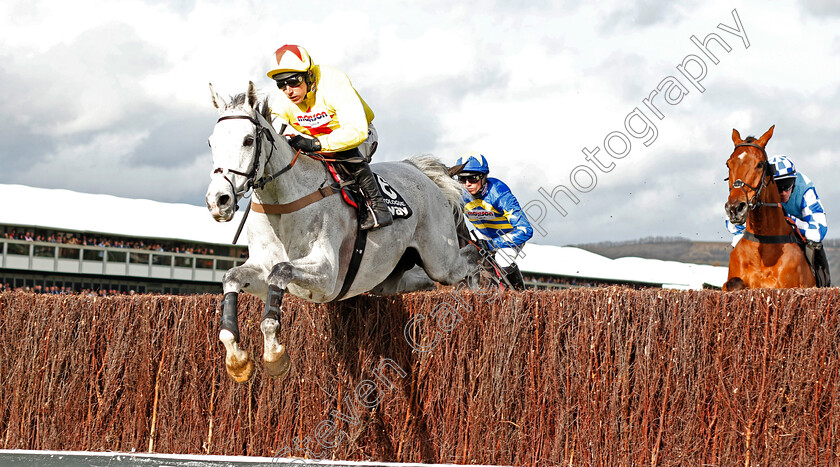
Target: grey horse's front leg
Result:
[276, 359]
[238, 362]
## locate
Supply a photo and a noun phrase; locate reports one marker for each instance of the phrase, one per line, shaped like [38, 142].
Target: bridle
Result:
[754, 203]
[251, 181]
[765, 167]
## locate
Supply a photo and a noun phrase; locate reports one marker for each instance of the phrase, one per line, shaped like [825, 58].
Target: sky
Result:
[112, 97]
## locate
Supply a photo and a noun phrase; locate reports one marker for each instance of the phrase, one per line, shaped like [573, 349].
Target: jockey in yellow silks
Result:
[322, 104]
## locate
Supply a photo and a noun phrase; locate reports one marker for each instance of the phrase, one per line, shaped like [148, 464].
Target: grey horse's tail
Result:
[433, 168]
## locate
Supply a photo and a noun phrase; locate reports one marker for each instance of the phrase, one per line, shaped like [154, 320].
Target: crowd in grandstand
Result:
[550, 281]
[72, 238]
[114, 242]
[63, 290]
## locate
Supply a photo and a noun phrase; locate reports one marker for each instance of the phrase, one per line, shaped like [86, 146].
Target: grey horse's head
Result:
[236, 147]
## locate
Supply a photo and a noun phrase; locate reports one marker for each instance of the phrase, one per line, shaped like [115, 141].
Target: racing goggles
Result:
[785, 184]
[470, 178]
[293, 81]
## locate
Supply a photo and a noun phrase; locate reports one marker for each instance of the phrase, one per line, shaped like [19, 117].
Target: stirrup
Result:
[372, 222]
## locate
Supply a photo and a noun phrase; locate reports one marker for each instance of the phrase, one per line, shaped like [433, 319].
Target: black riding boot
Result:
[364, 177]
[514, 276]
[815, 254]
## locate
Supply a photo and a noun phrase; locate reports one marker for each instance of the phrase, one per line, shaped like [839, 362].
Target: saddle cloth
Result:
[352, 195]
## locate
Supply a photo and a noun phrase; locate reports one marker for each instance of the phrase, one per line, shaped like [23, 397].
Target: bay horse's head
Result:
[241, 143]
[749, 175]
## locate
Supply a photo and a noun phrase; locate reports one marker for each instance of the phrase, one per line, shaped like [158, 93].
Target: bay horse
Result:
[769, 254]
[306, 251]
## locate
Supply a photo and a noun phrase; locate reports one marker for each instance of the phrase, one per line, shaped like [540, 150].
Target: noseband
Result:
[764, 165]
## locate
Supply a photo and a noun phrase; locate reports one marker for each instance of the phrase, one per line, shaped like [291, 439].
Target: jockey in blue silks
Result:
[495, 214]
[803, 209]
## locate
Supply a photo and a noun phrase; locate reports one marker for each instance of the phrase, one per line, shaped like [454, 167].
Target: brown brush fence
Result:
[585, 377]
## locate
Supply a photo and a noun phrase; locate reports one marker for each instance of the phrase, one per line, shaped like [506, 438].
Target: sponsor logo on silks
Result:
[314, 119]
[482, 214]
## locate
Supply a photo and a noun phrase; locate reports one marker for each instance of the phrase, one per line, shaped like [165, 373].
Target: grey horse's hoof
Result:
[279, 367]
[240, 370]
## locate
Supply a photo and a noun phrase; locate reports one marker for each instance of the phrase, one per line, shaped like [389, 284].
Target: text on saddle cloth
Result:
[396, 204]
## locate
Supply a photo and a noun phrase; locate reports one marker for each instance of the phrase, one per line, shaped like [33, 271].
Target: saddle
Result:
[814, 252]
[353, 196]
[356, 198]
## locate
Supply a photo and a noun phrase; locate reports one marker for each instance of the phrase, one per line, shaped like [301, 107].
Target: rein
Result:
[306, 200]
[258, 184]
[259, 130]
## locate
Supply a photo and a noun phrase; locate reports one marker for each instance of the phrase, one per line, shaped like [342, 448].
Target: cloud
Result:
[112, 97]
[644, 13]
[175, 137]
[821, 8]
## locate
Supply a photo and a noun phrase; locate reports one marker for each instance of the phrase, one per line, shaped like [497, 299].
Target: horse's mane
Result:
[433, 168]
[241, 99]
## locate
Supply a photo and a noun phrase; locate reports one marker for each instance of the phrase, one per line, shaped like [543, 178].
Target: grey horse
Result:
[306, 252]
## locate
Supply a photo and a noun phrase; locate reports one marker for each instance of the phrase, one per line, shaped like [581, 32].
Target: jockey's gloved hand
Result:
[813, 244]
[305, 144]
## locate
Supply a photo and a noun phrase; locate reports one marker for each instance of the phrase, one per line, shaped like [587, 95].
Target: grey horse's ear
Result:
[218, 102]
[453, 171]
[252, 95]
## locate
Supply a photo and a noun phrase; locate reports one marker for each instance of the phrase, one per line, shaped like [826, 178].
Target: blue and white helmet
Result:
[475, 163]
[782, 167]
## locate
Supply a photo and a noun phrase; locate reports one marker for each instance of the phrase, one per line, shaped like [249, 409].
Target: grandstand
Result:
[547, 266]
[59, 240]
[54, 240]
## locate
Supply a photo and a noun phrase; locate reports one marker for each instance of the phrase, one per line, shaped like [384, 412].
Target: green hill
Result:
[684, 250]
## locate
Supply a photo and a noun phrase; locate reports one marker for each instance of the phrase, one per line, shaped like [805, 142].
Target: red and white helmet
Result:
[289, 60]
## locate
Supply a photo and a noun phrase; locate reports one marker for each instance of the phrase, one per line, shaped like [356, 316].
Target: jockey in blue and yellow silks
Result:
[495, 214]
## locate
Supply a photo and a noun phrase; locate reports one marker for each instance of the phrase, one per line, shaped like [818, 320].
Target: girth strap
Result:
[315, 196]
[777, 239]
[298, 204]
[355, 260]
